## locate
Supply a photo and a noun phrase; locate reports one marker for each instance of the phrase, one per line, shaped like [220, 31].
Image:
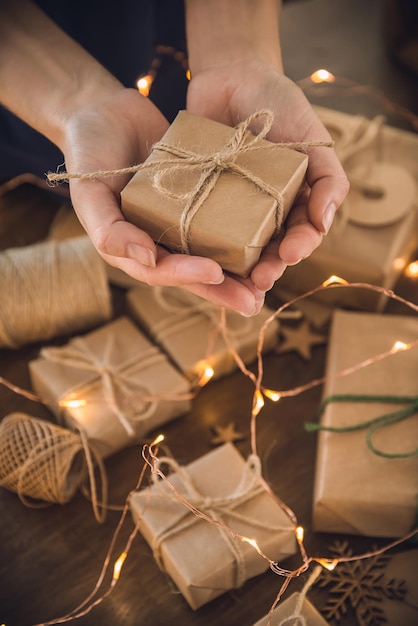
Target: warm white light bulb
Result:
[322, 76]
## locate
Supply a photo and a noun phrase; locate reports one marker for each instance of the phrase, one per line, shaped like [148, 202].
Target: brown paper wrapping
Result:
[357, 491]
[286, 609]
[187, 328]
[122, 377]
[196, 555]
[236, 221]
[359, 254]
[371, 254]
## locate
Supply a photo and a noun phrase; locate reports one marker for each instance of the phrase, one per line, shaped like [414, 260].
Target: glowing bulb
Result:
[322, 76]
[72, 404]
[334, 280]
[144, 84]
[206, 375]
[272, 395]
[398, 346]
[188, 75]
[252, 543]
[300, 533]
[329, 564]
[412, 270]
[157, 440]
[258, 402]
[118, 565]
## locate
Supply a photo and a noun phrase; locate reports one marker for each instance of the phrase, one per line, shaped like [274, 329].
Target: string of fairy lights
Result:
[150, 451]
[260, 394]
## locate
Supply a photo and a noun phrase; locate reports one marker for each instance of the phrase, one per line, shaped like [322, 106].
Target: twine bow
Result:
[374, 424]
[215, 508]
[115, 380]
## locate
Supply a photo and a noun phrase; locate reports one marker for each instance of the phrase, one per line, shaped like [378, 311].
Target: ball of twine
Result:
[44, 463]
[51, 289]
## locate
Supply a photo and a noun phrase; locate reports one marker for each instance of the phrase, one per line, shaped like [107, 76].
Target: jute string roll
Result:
[208, 166]
[215, 508]
[44, 463]
[51, 289]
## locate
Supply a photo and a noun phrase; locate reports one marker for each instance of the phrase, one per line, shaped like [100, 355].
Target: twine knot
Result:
[118, 386]
[213, 509]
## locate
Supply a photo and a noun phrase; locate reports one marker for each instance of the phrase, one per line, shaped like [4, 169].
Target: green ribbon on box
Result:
[374, 424]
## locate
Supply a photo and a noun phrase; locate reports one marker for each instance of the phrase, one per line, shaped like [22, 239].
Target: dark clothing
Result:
[122, 36]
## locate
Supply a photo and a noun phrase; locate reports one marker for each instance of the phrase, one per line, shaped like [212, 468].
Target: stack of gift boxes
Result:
[138, 372]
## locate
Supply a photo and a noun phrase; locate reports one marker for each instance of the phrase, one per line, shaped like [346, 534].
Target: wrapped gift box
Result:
[127, 385]
[359, 254]
[187, 328]
[287, 608]
[198, 556]
[357, 491]
[236, 219]
[376, 247]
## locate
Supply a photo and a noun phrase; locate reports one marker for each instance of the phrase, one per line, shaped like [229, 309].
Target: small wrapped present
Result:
[188, 329]
[375, 232]
[112, 383]
[205, 560]
[365, 482]
[290, 611]
[214, 191]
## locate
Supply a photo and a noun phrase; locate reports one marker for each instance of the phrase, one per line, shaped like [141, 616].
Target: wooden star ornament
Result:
[226, 434]
[300, 339]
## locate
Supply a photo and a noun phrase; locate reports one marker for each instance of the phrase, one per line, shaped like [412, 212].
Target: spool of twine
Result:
[44, 463]
[51, 289]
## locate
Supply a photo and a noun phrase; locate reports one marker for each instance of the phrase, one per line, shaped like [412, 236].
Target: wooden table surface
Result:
[51, 557]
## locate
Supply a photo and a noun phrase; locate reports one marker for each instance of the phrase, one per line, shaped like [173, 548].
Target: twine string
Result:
[209, 166]
[50, 289]
[41, 462]
[213, 509]
[116, 383]
[374, 424]
[297, 619]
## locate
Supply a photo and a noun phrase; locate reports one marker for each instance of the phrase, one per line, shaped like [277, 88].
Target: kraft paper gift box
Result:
[122, 378]
[203, 560]
[357, 491]
[359, 254]
[236, 219]
[375, 233]
[289, 608]
[188, 329]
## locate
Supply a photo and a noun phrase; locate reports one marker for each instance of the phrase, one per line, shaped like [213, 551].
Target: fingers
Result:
[329, 187]
[269, 268]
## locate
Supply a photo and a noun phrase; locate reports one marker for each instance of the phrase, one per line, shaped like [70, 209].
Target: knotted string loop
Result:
[118, 385]
[212, 509]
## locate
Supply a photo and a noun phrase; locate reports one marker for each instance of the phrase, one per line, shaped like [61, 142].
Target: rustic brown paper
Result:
[286, 609]
[237, 220]
[357, 491]
[197, 557]
[187, 328]
[359, 254]
[119, 356]
[375, 255]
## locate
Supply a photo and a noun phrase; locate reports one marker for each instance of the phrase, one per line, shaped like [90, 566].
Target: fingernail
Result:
[145, 256]
[328, 217]
[215, 282]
